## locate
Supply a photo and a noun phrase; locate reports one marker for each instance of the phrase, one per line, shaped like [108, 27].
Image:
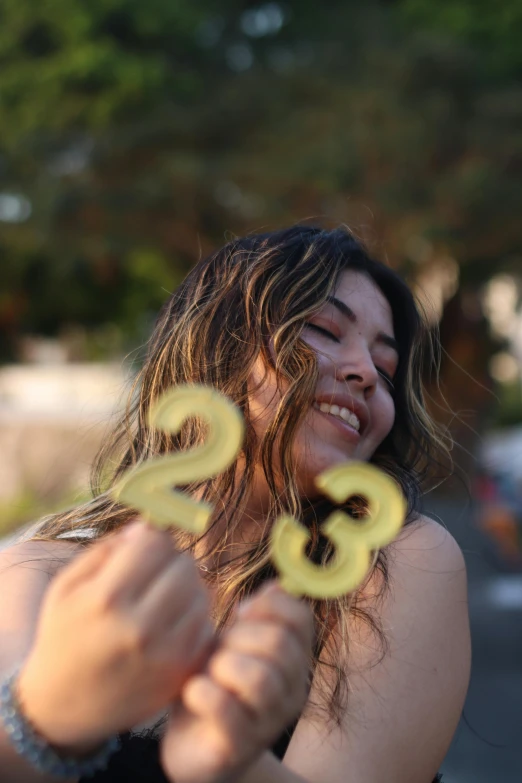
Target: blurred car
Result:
[498, 498]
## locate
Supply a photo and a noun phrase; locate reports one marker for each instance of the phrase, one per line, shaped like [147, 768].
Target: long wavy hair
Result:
[253, 292]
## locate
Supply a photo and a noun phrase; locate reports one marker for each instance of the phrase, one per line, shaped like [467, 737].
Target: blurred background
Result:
[135, 137]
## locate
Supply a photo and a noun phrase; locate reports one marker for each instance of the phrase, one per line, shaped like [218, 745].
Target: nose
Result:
[359, 371]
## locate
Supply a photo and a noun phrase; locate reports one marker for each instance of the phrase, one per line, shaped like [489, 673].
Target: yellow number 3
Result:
[149, 488]
[354, 539]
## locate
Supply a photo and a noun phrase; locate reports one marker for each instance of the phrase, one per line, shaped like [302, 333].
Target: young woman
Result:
[321, 348]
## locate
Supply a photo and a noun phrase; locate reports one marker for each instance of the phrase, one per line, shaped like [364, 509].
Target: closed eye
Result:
[324, 331]
[331, 336]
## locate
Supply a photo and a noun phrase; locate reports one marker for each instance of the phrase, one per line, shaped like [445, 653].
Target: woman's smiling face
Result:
[353, 410]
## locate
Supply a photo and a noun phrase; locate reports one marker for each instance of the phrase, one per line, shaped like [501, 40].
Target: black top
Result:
[138, 760]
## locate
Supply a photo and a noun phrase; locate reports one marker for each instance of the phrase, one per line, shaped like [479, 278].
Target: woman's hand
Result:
[120, 631]
[255, 684]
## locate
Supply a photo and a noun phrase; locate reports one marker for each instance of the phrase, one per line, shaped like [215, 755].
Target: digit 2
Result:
[149, 486]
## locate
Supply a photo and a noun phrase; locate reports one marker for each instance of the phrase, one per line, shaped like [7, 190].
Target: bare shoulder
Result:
[424, 548]
[44, 557]
[429, 536]
[424, 606]
[425, 590]
[413, 686]
[26, 571]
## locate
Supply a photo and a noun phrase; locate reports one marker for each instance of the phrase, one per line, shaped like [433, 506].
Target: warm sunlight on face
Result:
[353, 410]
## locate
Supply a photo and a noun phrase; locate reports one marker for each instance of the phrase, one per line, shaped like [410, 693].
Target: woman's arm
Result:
[107, 643]
[255, 684]
[403, 710]
[26, 570]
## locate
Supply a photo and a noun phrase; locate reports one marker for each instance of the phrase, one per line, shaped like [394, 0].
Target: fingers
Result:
[141, 553]
[225, 725]
[190, 640]
[152, 596]
[254, 684]
[174, 591]
[88, 563]
[257, 682]
[272, 643]
[206, 698]
[272, 603]
[263, 659]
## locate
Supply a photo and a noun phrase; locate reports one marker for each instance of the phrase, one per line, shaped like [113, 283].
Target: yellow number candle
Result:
[353, 539]
[149, 487]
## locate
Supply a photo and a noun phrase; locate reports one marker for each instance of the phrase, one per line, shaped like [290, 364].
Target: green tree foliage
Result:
[493, 29]
[73, 64]
[138, 134]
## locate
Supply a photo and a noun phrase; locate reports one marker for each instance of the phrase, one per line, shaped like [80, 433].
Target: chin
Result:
[307, 485]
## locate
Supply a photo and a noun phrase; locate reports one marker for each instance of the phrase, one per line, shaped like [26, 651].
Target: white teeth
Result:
[341, 413]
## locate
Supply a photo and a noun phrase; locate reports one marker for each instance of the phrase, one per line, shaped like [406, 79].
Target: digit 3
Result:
[353, 540]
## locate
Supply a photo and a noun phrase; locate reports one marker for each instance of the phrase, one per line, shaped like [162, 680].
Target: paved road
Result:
[488, 745]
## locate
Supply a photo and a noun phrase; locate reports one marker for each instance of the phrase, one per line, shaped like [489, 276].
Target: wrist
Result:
[36, 749]
[38, 709]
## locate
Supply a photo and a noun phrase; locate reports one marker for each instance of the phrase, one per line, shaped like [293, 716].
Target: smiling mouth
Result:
[345, 415]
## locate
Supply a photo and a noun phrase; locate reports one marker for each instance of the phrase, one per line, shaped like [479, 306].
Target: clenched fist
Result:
[120, 631]
[255, 684]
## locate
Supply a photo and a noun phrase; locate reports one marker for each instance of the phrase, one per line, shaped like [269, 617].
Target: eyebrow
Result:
[343, 308]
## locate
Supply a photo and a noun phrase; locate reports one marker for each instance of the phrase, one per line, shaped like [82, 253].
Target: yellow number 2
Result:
[148, 487]
[354, 540]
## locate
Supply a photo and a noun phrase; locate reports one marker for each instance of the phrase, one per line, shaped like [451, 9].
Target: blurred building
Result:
[52, 419]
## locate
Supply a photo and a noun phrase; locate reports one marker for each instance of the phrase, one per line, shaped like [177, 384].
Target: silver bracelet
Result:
[32, 747]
